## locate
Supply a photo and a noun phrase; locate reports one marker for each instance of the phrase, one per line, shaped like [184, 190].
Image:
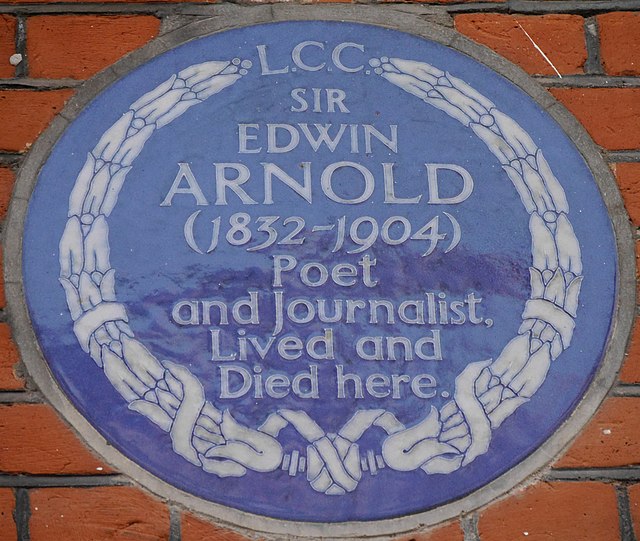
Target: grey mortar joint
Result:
[175, 523]
[469, 525]
[624, 515]
[593, 65]
[22, 514]
[22, 69]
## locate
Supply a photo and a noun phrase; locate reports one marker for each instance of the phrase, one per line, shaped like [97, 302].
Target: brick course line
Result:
[39, 84]
[571, 6]
[622, 156]
[530, 7]
[10, 158]
[209, 9]
[197, 8]
[51, 481]
[627, 390]
[631, 473]
[588, 81]
[150, 8]
[17, 397]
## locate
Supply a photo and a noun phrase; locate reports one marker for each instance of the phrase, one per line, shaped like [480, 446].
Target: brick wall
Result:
[53, 488]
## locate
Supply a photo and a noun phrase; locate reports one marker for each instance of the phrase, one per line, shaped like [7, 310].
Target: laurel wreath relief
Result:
[166, 393]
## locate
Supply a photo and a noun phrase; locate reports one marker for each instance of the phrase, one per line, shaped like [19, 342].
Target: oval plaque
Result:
[301, 270]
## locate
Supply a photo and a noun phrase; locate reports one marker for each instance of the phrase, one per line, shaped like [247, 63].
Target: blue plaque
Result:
[321, 272]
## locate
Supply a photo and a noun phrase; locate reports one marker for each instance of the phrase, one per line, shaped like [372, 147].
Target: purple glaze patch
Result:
[305, 269]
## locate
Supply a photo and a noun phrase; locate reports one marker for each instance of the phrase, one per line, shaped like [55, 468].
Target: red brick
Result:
[450, 532]
[26, 113]
[79, 46]
[620, 42]
[7, 180]
[634, 505]
[610, 115]
[196, 529]
[97, 514]
[630, 372]
[9, 357]
[628, 176]
[34, 440]
[7, 45]
[7, 506]
[554, 511]
[561, 37]
[610, 439]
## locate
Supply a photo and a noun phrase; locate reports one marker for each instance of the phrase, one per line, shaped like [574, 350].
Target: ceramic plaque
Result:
[318, 271]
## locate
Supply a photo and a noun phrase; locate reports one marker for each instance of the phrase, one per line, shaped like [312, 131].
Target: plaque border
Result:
[228, 17]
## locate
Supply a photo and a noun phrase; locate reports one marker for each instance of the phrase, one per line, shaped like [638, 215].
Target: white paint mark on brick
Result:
[539, 49]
